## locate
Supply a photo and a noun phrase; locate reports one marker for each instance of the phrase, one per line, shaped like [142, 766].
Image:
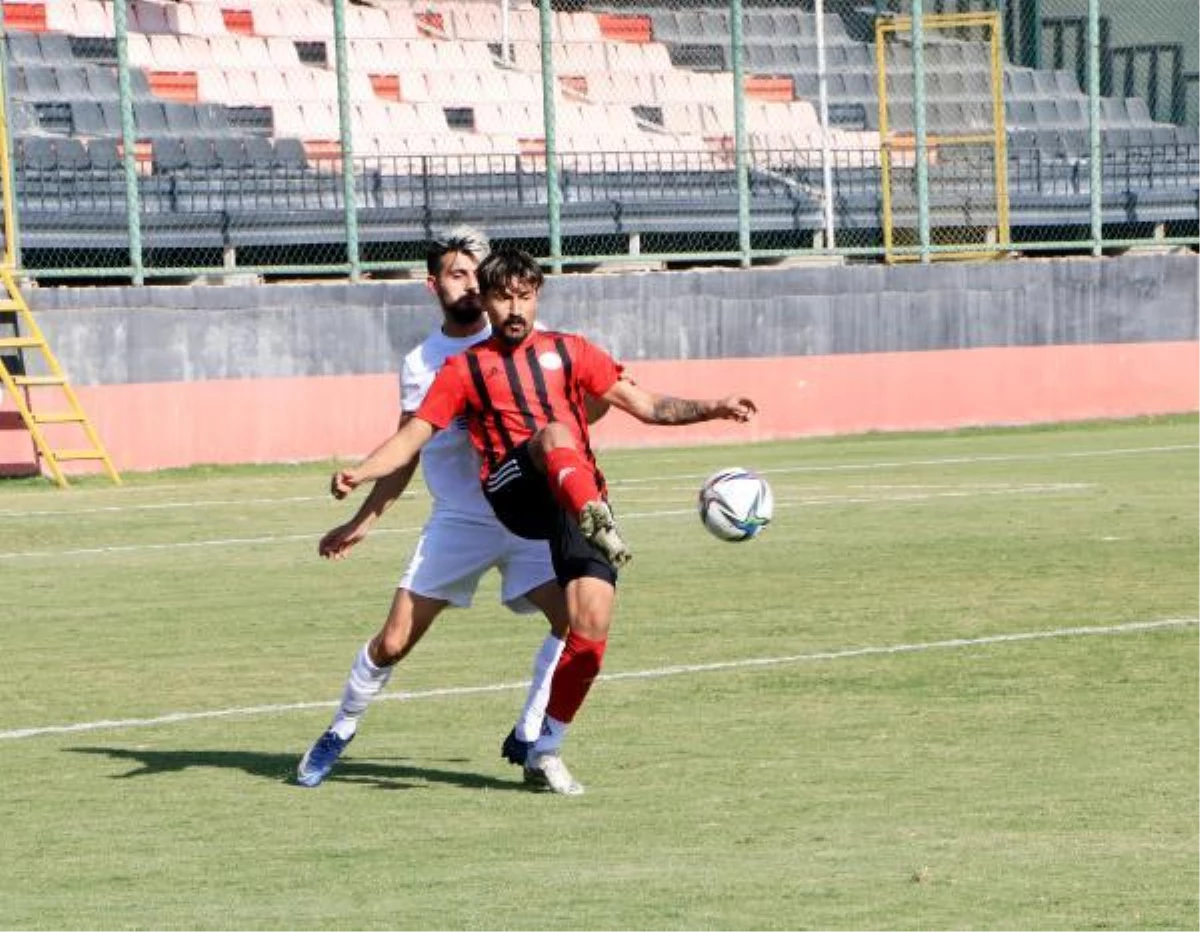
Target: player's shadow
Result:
[282, 767]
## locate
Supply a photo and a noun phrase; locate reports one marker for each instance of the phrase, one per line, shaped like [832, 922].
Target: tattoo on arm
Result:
[668, 410]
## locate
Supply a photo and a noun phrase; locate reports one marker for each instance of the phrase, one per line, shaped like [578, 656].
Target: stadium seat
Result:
[364, 22]
[169, 155]
[75, 80]
[149, 17]
[196, 19]
[23, 118]
[150, 118]
[24, 48]
[289, 153]
[15, 80]
[279, 52]
[41, 82]
[401, 23]
[35, 154]
[95, 118]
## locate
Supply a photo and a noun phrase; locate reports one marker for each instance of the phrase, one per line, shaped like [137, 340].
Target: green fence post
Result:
[921, 148]
[739, 131]
[128, 142]
[349, 204]
[1096, 196]
[553, 197]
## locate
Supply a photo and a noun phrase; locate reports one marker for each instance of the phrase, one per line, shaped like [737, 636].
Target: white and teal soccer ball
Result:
[735, 504]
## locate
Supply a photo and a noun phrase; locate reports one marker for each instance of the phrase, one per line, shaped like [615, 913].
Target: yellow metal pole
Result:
[6, 187]
[1001, 140]
[885, 146]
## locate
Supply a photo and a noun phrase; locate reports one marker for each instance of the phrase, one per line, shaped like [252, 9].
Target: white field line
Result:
[165, 506]
[944, 461]
[656, 673]
[777, 470]
[917, 498]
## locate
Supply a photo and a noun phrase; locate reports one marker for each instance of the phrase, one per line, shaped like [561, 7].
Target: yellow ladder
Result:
[29, 342]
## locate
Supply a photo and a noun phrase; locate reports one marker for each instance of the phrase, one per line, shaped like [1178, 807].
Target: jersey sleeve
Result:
[446, 397]
[596, 371]
[411, 389]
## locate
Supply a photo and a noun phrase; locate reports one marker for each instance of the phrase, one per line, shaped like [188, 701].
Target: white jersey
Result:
[448, 461]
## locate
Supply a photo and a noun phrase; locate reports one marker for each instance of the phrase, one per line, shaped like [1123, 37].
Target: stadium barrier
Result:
[177, 376]
[165, 141]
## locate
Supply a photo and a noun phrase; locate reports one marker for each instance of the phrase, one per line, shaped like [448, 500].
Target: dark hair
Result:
[460, 239]
[508, 265]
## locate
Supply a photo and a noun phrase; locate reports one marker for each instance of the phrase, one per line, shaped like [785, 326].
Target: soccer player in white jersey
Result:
[461, 540]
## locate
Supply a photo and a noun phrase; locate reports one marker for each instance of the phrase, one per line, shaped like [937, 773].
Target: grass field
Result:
[953, 686]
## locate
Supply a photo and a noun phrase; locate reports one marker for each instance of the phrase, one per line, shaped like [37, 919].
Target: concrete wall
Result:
[107, 336]
[180, 375]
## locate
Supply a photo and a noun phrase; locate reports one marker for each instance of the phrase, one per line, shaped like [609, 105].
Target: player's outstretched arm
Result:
[338, 542]
[652, 408]
[398, 451]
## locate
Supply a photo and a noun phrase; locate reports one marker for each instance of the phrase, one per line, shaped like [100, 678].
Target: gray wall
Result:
[181, 333]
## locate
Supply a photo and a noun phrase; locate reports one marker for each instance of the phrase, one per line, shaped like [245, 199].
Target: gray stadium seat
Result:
[93, 118]
[201, 154]
[1019, 82]
[41, 82]
[23, 118]
[1138, 110]
[259, 152]
[289, 153]
[169, 154]
[56, 48]
[102, 81]
[24, 48]
[73, 81]
[179, 118]
[35, 154]
[72, 156]
[230, 153]
[150, 118]
[211, 119]
[104, 153]
[15, 79]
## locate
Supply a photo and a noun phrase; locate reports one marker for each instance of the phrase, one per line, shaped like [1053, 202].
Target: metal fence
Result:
[177, 139]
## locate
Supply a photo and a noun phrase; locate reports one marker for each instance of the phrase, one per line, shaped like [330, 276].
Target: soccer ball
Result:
[735, 504]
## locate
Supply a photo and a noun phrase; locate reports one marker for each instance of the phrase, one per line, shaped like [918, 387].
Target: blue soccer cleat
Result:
[320, 758]
[514, 750]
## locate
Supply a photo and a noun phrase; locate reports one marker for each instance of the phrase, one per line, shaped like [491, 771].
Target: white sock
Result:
[550, 740]
[364, 683]
[529, 725]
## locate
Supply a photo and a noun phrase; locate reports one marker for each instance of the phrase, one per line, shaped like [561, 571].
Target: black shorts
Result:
[520, 497]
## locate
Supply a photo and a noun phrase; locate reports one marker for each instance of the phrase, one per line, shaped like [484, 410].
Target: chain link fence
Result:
[154, 139]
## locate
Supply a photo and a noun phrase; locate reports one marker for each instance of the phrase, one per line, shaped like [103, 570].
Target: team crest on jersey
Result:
[550, 361]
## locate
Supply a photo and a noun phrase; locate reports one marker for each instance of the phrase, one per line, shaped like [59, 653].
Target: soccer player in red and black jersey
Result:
[522, 393]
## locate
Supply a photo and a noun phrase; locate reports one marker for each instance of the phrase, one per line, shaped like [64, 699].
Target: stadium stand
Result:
[236, 117]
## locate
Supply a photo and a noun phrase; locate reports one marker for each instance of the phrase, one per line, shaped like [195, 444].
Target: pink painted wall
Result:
[275, 420]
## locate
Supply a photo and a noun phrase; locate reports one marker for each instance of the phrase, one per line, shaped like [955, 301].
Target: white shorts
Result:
[453, 554]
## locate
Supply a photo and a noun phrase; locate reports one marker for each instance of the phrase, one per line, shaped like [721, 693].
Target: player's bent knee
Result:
[592, 621]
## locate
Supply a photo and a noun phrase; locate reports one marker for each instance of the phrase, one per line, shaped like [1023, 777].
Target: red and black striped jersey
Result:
[508, 393]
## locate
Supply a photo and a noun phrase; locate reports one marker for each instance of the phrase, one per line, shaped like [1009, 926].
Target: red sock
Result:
[571, 479]
[577, 668]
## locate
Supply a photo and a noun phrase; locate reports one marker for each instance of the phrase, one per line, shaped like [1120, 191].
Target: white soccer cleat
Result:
[548, 772]
[598, 527]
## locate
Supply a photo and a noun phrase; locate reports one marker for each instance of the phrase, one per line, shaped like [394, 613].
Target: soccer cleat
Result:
[514, 750]
[597, 524]
[548, 772]
[320, 758]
